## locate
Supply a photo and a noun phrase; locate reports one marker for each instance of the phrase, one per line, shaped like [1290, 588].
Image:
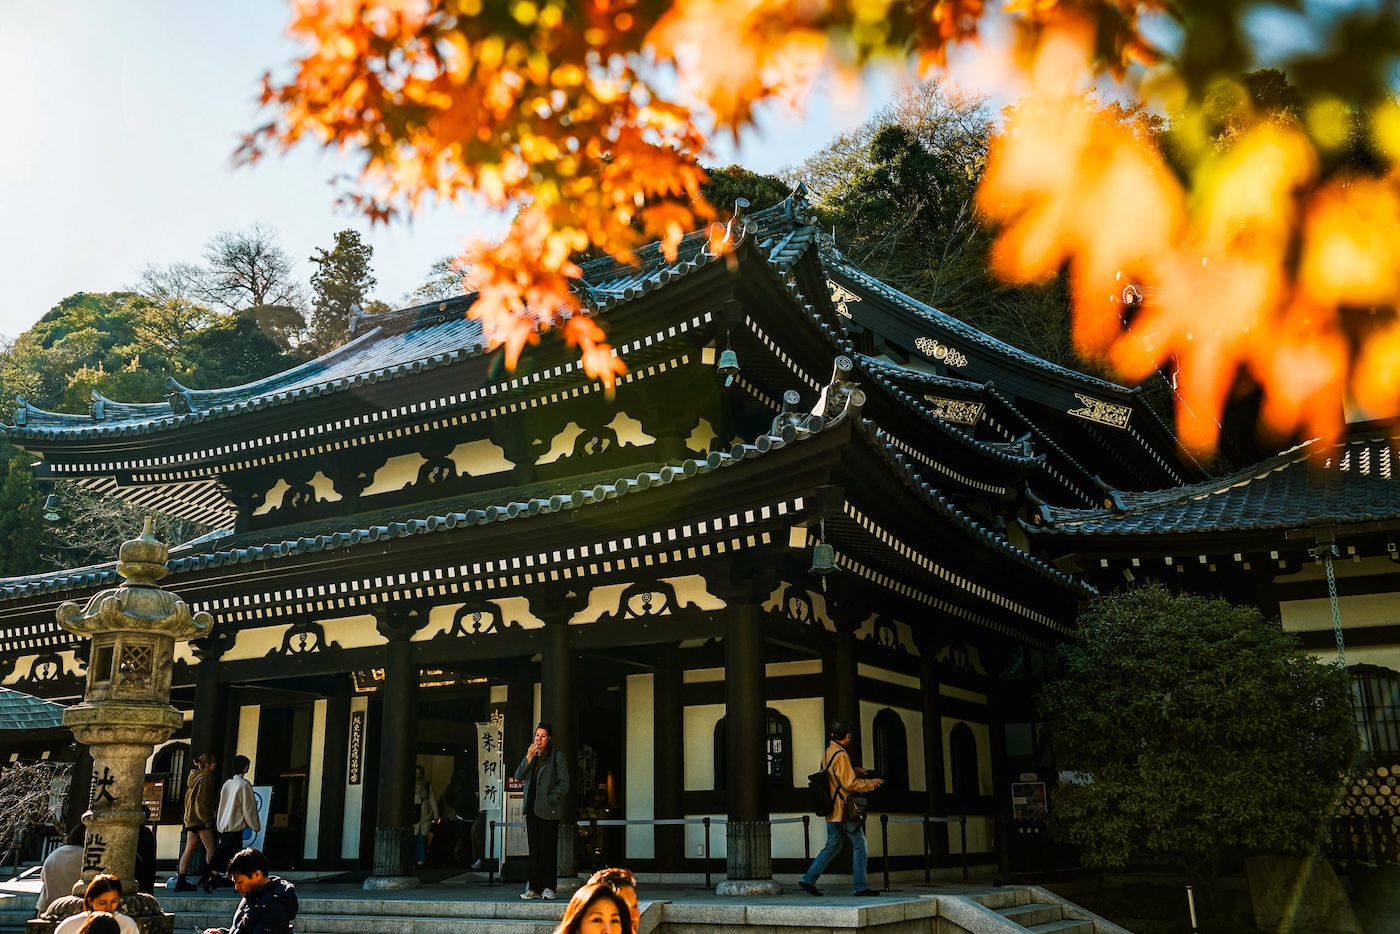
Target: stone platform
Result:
[467, 905]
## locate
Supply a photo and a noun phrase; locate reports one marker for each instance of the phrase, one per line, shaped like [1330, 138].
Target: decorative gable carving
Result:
[647, 599]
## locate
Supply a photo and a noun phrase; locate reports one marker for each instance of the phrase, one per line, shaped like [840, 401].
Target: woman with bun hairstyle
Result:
[100, 901]
[596, 908]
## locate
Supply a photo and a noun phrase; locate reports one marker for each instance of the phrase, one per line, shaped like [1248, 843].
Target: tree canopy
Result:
[343, 278]
[1196, 729]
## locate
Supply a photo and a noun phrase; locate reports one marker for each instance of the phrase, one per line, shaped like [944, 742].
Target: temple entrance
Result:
[599, 772]
[283, 763]
[447, 752]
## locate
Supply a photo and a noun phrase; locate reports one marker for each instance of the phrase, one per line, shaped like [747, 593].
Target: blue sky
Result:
[124, 116]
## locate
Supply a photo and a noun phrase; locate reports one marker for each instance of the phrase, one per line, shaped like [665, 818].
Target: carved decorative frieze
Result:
[304, 638]
[647, 599]
[955, 410]
[885, 634]
[1105, 413]
[840, 297]
[477, 620]
[940, 351]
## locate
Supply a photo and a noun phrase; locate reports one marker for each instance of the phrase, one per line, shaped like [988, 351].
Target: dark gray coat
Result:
[552, 774]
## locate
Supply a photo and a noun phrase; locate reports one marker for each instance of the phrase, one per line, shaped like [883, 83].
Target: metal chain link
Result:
[1336, 612]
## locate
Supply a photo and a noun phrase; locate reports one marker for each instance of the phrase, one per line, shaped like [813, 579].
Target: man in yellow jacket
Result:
[844, 783]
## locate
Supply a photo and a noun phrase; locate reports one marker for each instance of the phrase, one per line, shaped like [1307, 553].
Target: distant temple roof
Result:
[1354, 481]
[20, 711]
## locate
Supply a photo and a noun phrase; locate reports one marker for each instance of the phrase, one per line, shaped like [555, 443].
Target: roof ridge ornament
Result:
[841, 396]
[181, 398]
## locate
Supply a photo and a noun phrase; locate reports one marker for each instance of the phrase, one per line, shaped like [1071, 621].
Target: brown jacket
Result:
[842, 776]
[201, 801]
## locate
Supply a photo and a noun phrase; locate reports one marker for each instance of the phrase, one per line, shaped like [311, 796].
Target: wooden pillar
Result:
[669, 757]
[847, 611]
[933, 751]
[393, 832]
[559, 708]
[208, 731]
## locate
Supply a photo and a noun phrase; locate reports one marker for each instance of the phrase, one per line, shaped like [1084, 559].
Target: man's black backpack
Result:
[819, 788]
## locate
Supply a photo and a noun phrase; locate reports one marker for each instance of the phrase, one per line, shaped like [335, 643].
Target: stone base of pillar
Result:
[747, 887]
[391, 883]
[566, 857]
[568, 885]
[749, 844]
[393, 847]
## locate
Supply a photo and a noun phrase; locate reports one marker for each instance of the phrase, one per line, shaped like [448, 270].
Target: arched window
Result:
[891, 750]
[1375, 702]
[777, 748]
[962, 758]
[174, 760]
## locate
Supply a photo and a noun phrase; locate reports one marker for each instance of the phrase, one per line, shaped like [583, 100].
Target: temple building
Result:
[809, 497]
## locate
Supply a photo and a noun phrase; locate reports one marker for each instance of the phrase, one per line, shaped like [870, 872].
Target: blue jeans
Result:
[836, 831]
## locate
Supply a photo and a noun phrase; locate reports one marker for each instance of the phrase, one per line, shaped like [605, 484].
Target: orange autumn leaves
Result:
[1251, 266]
[569, 112]
[589, 118]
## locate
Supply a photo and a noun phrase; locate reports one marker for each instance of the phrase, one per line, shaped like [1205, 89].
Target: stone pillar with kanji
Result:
[125, 712]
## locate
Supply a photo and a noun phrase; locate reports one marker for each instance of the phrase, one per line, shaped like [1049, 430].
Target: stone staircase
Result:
[1023, 908]
[372, 916]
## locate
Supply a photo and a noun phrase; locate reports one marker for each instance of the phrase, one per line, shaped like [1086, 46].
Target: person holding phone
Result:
[546, 778]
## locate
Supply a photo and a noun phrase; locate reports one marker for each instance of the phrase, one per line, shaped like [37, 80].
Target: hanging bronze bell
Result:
[728, 366]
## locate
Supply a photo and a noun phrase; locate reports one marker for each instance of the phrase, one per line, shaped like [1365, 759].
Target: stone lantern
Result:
[125, 712]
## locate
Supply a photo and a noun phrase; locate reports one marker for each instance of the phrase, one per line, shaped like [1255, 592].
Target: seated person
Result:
[61, 870]
[103, 895]
[269, 904]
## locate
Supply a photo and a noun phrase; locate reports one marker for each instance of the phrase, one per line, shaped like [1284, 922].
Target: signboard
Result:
[516, 841]
[1028, 801]
[491, 773]
[357, 746]
[262, 797]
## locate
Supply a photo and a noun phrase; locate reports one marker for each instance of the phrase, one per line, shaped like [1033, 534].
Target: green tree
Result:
[241, 348]
[726, 185]
[343, 278]
[21, 514]
[1198, 730]
[898, 194]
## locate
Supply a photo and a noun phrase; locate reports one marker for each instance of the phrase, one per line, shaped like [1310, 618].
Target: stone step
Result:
[508, 907]
[1066, 926]
[1031, 914]
[417, 924]
[1002, 898]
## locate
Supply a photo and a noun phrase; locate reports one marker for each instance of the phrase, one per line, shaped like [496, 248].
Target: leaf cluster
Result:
[1195, 729]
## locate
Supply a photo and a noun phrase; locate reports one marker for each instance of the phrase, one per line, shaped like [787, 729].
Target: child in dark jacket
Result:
[269, 904]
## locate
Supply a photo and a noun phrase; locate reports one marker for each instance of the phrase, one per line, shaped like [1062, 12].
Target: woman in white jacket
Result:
[238, 811]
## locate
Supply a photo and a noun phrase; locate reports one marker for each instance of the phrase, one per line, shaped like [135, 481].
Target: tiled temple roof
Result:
[907, 471]
[217, 550]
[20, 711]
[1352, 481]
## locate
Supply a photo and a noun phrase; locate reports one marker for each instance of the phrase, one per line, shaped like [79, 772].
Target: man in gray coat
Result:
[546, 778]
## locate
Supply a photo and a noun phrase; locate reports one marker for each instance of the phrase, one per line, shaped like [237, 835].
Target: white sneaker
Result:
[529, 894]
[547, 893]
[476, 865]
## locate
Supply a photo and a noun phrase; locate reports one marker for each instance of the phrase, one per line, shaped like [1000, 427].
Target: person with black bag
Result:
[846, 819]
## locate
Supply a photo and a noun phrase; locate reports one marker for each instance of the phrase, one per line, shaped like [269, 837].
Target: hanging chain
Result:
[1336, 611]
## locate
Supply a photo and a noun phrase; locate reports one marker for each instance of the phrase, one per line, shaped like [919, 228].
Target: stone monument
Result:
[125, 712]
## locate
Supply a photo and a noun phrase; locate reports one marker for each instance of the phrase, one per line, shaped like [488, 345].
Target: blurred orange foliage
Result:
[590, 117]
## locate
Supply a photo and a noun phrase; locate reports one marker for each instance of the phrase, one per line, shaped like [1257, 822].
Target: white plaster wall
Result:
[479, 458]
[351, 632]
[787, 837]
[699, 724]
[695, 840]
[397, 473]
[1386, 656]
[315, 780]
[888, 677]
[354, 794]
[256, 643]
[640, 803]
[247, 744]
[1360, 610]
[982, 734]
[914, 737]
[808, 735]
[981, 835]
